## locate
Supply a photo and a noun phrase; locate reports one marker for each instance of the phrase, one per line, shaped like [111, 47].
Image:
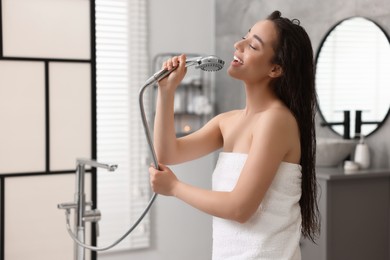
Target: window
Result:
[121, 36]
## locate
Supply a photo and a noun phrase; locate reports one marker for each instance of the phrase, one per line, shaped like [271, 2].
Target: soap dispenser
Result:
[362, 153]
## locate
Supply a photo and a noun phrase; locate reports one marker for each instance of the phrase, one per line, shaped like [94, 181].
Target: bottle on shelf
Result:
[362, 153]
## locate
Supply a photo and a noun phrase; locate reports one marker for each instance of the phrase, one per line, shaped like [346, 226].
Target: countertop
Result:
[338, 173]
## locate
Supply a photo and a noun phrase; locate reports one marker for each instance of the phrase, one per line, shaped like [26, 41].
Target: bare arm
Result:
[271, 142]
[172, 150]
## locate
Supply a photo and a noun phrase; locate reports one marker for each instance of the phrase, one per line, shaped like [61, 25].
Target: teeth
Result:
[238, 60]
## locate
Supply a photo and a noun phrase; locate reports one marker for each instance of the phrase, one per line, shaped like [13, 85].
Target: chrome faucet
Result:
[79, 205]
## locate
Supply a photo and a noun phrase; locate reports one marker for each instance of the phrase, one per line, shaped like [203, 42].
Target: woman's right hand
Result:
[172, 81]
[162, 180]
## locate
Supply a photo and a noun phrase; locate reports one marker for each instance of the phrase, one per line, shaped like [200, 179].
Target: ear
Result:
[276, 71]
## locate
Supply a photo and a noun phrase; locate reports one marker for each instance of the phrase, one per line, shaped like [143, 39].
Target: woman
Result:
[264, 186]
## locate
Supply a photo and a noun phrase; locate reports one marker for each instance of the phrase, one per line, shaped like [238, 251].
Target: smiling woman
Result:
[353, 67]
[263, 194]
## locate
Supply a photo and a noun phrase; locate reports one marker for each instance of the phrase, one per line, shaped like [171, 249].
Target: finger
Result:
[162, 167]
[152, 171]
[175, 61]
[164, 65]
[182, 59]
[182, 63]
[152, 164]
[169, 64]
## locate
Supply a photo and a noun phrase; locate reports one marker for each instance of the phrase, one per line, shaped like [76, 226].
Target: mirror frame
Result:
[379, 125]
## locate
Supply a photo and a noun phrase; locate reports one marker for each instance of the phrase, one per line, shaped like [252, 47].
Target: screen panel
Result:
[46, 29]
[22, 113]
[70, 114]
[33, 226]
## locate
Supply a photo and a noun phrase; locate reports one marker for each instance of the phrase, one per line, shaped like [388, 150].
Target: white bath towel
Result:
[274, 231]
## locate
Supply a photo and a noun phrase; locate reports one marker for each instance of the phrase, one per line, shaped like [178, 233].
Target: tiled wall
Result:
[234, 18]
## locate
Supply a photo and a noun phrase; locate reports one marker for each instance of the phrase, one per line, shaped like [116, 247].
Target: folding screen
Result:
[47, 115]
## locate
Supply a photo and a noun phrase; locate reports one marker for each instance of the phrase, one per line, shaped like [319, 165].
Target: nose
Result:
[238, 44]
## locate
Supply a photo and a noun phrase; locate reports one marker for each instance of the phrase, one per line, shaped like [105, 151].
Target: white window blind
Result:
[121, 35]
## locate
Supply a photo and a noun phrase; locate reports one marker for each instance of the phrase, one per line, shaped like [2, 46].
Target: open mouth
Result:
[237, 60]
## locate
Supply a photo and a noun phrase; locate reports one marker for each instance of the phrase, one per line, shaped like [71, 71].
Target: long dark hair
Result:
[294, 53]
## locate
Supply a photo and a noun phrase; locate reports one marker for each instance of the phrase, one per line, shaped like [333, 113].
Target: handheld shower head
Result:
[207, 63]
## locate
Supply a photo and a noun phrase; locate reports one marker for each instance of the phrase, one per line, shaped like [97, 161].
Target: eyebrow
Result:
[257, 38]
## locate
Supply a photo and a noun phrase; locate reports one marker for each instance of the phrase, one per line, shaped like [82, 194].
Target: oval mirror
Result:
[353, 77]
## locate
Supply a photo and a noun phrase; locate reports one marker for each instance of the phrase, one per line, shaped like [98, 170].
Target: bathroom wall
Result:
[179, 231]
[234, 18]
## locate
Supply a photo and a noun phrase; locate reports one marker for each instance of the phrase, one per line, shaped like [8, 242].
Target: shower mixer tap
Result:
[79, 205]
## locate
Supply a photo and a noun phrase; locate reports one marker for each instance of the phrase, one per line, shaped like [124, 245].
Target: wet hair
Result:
[295, 87]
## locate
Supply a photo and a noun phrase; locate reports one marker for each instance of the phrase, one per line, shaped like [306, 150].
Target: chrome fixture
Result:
[79, 205]
[209, 63]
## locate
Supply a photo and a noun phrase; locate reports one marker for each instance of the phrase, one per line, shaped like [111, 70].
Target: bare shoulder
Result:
[277, 125]
[227, 116]
[276, 131]
[278, 116]
[218, 121]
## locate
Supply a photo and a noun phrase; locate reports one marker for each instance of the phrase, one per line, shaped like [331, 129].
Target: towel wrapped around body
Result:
[274, 231]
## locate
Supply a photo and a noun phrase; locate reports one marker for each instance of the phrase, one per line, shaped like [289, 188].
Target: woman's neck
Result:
[259, 98]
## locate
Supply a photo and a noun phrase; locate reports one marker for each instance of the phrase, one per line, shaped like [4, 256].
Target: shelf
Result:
[193, 101]
[337, 173]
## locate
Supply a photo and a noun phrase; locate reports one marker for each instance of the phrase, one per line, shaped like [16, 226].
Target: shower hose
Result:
[148, 206]
[207, 63]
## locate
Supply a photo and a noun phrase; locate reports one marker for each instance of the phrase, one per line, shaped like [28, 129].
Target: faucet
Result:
[359, 123]
[345, 123]
[79, 205]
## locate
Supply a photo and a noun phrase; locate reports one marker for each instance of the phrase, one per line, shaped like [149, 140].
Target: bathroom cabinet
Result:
[355, 216]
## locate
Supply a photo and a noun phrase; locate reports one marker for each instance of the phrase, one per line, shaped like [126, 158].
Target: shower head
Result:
[208, 63]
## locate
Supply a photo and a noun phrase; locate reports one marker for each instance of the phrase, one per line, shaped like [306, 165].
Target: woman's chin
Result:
[232, 72]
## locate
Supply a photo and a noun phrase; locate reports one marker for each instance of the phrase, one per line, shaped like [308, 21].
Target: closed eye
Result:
[251, 46]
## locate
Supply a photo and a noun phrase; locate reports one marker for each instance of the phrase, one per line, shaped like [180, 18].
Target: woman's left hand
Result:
[162, 181]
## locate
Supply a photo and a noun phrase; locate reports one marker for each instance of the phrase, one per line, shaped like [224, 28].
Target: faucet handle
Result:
[71, 205]
[67, 205]
[93, 163]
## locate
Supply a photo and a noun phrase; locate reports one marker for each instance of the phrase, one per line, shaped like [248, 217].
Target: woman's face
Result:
[254, 53]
